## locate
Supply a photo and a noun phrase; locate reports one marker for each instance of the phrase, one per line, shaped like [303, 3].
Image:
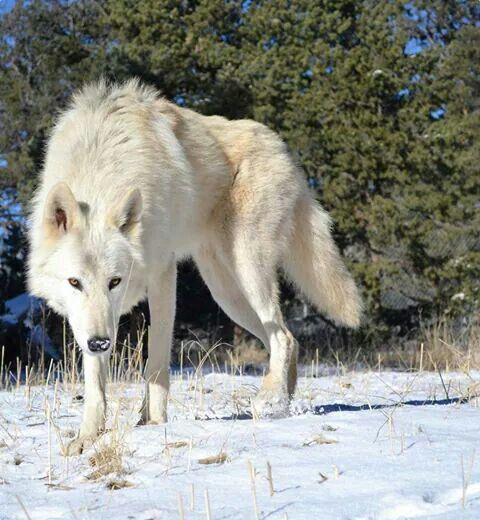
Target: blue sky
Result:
[6, 5]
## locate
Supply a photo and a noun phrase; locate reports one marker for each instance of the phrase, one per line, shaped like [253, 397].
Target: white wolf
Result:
[132, 183]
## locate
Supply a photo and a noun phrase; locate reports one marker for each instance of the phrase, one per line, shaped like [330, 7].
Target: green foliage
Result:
[48, 48]
[378, 101]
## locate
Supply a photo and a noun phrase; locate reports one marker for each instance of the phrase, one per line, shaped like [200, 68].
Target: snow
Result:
[21, 309]
[19, 306]
[350, 450]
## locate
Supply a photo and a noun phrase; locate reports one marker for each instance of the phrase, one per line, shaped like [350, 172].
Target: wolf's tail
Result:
[313, 262]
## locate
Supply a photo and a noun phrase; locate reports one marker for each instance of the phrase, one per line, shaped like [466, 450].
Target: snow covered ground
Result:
[358, 445]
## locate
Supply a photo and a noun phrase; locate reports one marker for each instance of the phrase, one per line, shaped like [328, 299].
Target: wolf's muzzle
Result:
[98, 344]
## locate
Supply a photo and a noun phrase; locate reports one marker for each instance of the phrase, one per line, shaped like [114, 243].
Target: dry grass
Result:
[442, 346]
[446, 348]
[178, 444]
[319, 439]
[105, 461]
[249, 353]
[219, 458]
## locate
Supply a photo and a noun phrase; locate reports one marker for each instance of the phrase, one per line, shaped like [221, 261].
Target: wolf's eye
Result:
[75, 283]
[114, 282]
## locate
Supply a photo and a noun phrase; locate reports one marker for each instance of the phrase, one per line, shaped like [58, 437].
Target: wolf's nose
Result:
[98, 344]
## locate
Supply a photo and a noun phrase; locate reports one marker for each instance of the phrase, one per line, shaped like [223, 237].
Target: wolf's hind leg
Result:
[161, 302]
[256, 275]
[93, 421]
[226, 292]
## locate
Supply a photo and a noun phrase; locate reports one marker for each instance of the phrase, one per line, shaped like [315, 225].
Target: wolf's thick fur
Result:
[131, 184]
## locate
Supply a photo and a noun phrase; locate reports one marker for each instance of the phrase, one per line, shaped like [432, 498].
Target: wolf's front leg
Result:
[161, 302]
[93, 422]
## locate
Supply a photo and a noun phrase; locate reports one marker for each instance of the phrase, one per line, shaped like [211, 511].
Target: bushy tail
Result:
[313, 263]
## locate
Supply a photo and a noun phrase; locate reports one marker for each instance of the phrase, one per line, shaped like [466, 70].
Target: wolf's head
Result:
[85, 262]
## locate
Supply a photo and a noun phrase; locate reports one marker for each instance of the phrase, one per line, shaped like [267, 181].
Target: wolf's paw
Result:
[270, 403]
[78, 445]
[145, 422]
[146, 417]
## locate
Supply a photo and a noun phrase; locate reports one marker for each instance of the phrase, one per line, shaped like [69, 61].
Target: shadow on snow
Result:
[340, 407]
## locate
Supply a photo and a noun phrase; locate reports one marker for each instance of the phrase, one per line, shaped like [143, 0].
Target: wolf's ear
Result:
[126, 215]
[61, 211]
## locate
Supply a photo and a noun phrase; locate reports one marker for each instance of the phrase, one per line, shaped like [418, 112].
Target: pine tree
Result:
[378, 101]
[47, 50]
